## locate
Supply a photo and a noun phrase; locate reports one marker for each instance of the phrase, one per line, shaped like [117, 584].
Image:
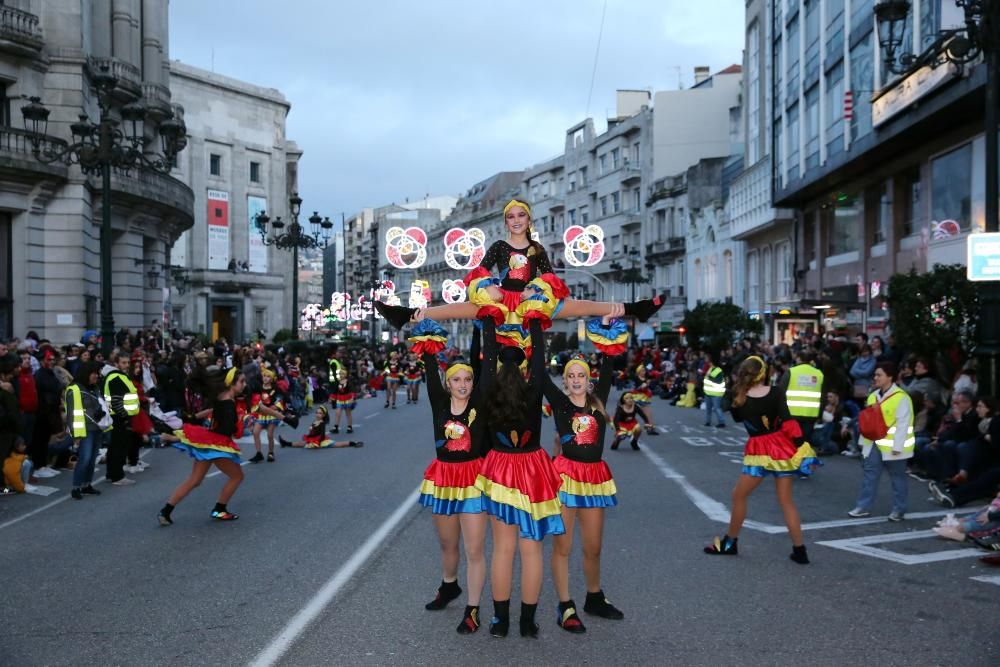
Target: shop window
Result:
[845, 226]
[951, 193]
[911, 201]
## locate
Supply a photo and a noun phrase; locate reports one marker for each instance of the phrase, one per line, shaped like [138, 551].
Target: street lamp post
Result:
[980, 36]
[296, 237]
[116, 141]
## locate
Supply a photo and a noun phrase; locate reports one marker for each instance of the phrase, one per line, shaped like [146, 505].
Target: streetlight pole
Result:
[962, 46]
[98, 148]
[296, 237]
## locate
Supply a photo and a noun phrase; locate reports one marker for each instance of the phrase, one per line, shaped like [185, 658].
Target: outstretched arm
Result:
[435, 390]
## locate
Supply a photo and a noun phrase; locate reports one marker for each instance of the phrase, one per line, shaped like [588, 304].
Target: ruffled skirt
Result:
[450, 487]
[203, 444]
[317, 441]
[344, 401]
[522, 490]
[627, 428]
[774, 454]
[585, 484]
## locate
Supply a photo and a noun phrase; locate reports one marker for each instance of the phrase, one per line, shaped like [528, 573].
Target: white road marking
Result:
[374, 414]
[300, 622]
[863, 546]
[988, 578]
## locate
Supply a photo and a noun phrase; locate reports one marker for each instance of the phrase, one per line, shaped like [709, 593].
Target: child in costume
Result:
[522, 263]
[317, 438]
[449, 486]
[211, 446]
[642, 397]
[393, 373]
[775, 449]
[267, 407]
[414, 375]
[587, 485]
[519, 484]
[626, 421]
[343, 398]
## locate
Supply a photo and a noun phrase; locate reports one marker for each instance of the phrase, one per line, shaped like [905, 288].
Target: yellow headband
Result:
[231, 376]
[454, 368]
[763, 368]
[514, 202]
[577, 362]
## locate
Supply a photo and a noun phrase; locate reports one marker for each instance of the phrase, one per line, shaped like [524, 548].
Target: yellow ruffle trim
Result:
[199, 445]
[805, 451]
[518, 500]
[449, 492]
[575, 488]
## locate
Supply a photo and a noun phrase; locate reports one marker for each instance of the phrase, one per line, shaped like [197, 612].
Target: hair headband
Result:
[576, 362]
[231, 376]
[514, 202]
[763, 368]
[454, 368]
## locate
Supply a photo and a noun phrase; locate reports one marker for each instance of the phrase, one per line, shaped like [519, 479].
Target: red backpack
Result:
[871, 421]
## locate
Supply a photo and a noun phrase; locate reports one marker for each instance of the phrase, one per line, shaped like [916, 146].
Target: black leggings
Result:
[982, 486]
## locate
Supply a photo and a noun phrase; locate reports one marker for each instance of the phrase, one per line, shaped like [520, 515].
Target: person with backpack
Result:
[887, 441]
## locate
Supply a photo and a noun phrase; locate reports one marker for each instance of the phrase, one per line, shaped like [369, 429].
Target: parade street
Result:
[331, 563]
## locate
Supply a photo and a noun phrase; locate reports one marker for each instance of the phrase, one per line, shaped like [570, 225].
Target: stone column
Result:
[121, 29]
[100, 28]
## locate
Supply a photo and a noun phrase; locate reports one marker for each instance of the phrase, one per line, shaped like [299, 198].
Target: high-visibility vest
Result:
[805, 391]
[889, 414]
[78, 418]
[333, 370]
[715, 382]
[130, 398]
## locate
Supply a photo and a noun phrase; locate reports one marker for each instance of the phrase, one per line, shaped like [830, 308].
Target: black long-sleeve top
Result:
[768, 414]
[581, 430]
[224, 418]
[522, 437]
[516, 266]
[459, 438]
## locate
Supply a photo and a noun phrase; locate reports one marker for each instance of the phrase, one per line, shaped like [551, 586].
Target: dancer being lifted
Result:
[519, 261]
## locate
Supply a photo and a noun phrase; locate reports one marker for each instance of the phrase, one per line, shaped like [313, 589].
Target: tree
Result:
[713, 326]
[935, 314]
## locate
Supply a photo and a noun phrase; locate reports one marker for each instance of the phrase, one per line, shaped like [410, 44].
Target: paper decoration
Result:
[453, 291]
[420, 294]
[406, 248]
[464, 249]
[584, 245]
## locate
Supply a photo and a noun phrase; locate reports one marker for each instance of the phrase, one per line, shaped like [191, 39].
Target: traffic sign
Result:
[984, 256]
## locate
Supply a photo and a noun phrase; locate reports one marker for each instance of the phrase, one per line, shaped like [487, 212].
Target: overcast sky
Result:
[395, 99]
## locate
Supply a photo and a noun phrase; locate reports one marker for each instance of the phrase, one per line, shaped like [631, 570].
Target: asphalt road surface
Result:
[332, 561]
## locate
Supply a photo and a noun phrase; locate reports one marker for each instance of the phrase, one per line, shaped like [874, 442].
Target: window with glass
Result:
[616, 202]
[661, 224]
[602, 164]
[615, 158]
[793, 142]
[635, 153]
[766, 272]
[753, 93]
[571, 182]
[255, 172]
[572, 216]
[834, 30]
[6, 278]
[4, 105]
[930, 22]
[583, 177]
[809, 235]
[835, 111]
[215, 164]
[911, 201]
[681, 278]
[951, 193]
[862, 78]
[784, 265]
[604, 206]
[636, 200]
[812, 127]
[845, 225]
[584, 215]
[883, 221]
[753, 281]
[811, 38]
[792, 68]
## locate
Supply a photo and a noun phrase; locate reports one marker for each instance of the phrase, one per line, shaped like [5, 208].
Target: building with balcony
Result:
[238, 162]
[52, 214]
[880, 182]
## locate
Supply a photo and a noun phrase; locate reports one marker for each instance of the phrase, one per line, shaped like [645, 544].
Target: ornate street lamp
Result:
[980, 36]
[296, 237]
[116, 141]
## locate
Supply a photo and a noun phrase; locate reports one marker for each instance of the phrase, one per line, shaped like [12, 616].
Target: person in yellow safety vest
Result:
[83, 412]
[333, 368]
[804, 392]
[123, 400]
[890, 452]
[714, 386]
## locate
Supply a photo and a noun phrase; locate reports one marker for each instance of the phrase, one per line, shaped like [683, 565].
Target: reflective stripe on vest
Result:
[130, 398]
[715, 383]
[805, 391]
[889, 406]
[78, 425]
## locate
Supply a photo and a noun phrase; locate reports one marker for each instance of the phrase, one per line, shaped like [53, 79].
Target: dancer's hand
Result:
[495, 293]
[418, 315]
[617, 311]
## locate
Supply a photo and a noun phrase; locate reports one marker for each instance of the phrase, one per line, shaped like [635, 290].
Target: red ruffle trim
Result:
[475, 274]
[456, 475]
[777, 446]
[492, 311]
[791, 429]
[537, 315]
[559, 289]
[532, 474]
[596, 472]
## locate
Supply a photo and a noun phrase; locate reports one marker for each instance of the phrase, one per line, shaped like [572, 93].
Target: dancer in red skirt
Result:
[626, 421]
[449, 486]
[211, 446]
[316, 437]
[587, 485]
[775, 449]
[520, 487]
[343, 399]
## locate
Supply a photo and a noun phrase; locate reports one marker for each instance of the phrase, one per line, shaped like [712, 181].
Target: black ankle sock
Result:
[167, 509]
[219, 507]
[470, 620]
[527, 621]
[501, 609]
[799, 554]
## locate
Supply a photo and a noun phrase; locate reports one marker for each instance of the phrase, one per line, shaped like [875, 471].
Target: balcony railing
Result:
[157, 96]
[19, 31]
[15, 145]
[129, 76]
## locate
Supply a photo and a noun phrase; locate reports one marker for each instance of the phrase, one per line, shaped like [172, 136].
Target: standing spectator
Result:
[49, 420]
[714, 386]
[123, 400]
[27, 397]
[10, 415]
[83, 416]
[863, 371]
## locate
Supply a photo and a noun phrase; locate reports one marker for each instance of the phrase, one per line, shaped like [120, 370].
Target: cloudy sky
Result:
[392, 99]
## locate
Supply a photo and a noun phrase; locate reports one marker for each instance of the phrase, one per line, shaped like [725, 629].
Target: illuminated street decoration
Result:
[464, 249]
[312, 317]
[406, 248]
[584, 245]
[453, 291]
[420, 294]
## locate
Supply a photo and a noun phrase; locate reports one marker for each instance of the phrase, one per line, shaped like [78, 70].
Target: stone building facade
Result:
[50, 215]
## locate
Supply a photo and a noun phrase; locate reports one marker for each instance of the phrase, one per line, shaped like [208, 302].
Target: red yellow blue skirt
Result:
[627, 428]
[585, 484]
[774, 454]
[412, 379]
[317, 441]
[203, 444]
[344, 401]
[641, 397]
[450, 487]
[522, 490]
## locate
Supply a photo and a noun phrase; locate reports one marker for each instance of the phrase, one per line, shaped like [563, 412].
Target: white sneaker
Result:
[30, 488]
[124, 481]
[132, 469]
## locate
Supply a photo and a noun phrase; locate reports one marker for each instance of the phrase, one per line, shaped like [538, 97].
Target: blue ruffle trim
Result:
[428, 327]
[570, 500]
[528, 527]
[617, 327]
[806, 469]
[450, 507]
[200, 454]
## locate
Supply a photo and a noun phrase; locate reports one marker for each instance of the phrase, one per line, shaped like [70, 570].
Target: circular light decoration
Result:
[464, 249]
[453, 291]
[312, 317]
[406, 248]
[420, 294]
[584, 245]
[385, 291]
[340, 306]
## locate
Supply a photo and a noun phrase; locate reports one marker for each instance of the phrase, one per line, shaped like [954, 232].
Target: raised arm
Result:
[474, 350]
[603, 389]
[435, 390]
[489, 367]
[537, 369]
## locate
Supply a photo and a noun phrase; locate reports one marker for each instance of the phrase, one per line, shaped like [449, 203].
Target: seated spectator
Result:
[833, 432]
[966, 380]
[924, 382]
[972, 456]
[17, 468]
[958, 529]
[940, 458]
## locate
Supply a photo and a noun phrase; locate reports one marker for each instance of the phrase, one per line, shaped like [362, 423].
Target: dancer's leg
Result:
[257, 428]
[591, 539]
[502, 563]
[531, 569]
[744, 487]
[562, 545]
[198, 471]
[474, 539]
[234, 472]
[449, 532]
[783, 486]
